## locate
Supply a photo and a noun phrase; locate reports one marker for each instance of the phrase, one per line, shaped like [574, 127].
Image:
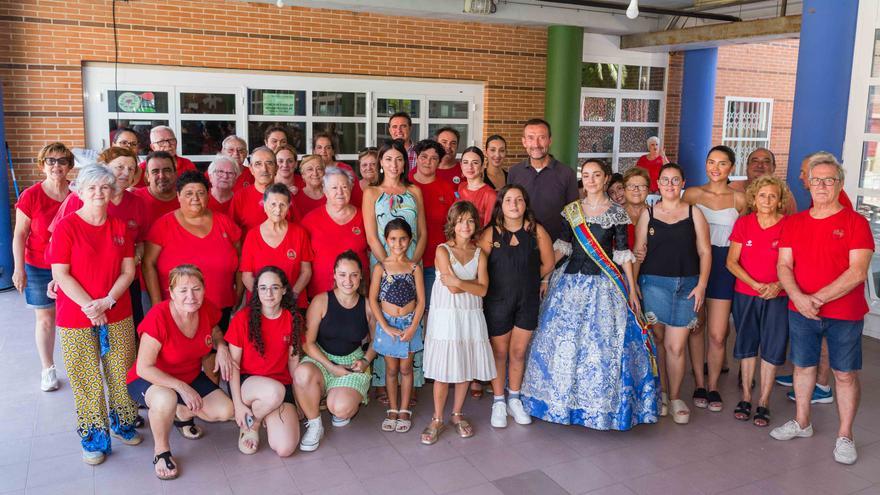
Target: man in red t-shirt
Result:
[449, 169]
[162, 139]
[247, 205]
[160, 195]
[824, 255]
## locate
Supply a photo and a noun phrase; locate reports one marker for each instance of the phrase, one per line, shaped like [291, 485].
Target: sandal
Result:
[743, 411]
[462, 426]
[715, 402]
[245, 435]
[762, 417]
[390, 424]
[139, 421]
[188, 428]
[403, 425]
[382, 397]
[680, 413]
[431, 433]
[477, 393]
[664, 404]
[701, 398]
[169, 465]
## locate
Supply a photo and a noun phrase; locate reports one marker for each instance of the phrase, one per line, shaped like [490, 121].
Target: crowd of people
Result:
[272, 286]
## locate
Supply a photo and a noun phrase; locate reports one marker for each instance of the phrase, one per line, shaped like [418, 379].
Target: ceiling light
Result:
[479, 7]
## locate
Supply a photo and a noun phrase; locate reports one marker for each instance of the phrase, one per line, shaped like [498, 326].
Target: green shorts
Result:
[357, 381]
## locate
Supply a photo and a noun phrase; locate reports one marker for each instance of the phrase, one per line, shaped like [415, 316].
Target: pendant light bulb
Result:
[632, 11]
[280, 4]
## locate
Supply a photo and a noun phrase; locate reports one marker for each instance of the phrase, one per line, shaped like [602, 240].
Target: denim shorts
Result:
[760, 323]
[844, 341]
[386, 345]
[721, 281]
[37, 283]
[430, 275]
[666, 300]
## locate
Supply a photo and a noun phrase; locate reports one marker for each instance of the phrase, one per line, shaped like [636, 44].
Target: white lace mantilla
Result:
[614, 215]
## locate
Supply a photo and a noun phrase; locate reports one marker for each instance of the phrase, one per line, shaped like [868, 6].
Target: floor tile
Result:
[579, 476]
[451, 475]
[529, 483]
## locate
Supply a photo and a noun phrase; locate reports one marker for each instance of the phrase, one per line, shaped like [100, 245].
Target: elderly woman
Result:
[336, 227]
[496, 152]
[311, 195]
[335, 366]
[127, 138]
[167, 376]
[635, 191]
[236, 148]
[652, 162]
[34, 212]
[223, 173]
[368, 168]
[287, 164]
[193, 234]
[277, 242]
[92, 258]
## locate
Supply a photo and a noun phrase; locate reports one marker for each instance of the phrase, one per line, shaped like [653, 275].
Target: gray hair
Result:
[223, 158]
[263, 148]
[95, 174]
[161, 128]
[654, 139]
[231, 138]
[334, 170]
[825, 158]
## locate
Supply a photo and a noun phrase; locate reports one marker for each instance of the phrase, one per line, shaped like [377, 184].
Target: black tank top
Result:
[514, 268]
[342, 330]
[672, 248]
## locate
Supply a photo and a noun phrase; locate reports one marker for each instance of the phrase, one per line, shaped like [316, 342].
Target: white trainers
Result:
[49, 379]
[499, 414]
[515, 408]
[845, 451]
[312, 437]
[339, 422]
[790, 430]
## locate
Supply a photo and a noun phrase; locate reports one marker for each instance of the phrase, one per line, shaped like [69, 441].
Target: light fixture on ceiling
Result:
[279, 4]
[632, 11]
[479, 7]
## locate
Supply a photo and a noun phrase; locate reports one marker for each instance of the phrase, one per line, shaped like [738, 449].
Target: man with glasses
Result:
[824, 254]
[162, 139]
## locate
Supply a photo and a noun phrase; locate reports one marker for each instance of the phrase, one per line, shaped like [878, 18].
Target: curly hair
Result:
[498, 210]
[767, 180]
[114, 152]
[288, 303]
[456, 212]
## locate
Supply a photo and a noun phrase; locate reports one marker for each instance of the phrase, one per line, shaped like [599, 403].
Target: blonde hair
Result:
[636, 172]
[182, 271]
[309, 158]
[55, 147]
[767, 180]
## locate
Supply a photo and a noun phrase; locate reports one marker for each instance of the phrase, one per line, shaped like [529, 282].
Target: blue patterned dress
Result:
[588, 363]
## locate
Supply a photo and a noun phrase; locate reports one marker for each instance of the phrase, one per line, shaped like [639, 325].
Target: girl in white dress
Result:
[457, 348]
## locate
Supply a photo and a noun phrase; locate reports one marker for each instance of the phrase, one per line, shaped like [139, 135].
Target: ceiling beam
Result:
[714, 35]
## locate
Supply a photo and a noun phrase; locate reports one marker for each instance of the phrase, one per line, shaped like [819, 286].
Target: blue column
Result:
[697, 107]
[821, 93]
[6, 263]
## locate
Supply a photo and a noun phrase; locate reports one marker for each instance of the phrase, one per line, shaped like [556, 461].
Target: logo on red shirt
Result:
[837, 233]
[749, 243]
[356, 231]
[209, 341]
[132, 225]
[118, 240]
[291, 254]
[456, 180]
[287, 339]
[775, 244]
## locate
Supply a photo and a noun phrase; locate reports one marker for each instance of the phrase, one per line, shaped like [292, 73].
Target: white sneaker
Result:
[49, 379]
[845, 451]
[339, 422]
[499, 414]
[790, 430]
[312, 437]
[515, 408]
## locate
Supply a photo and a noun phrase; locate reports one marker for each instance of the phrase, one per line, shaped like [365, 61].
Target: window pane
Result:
[388, 107]
[204, 137]
[625, 163]
[875, 63]
[276, 102]
[872, 120]
[599, 75]
[141, 127]
[596, 140]
[634, 139]
[207, 103]
[634, 77]
[743, 148]
[137, 101]
[350, 137]
[461, 128]
[869, 207]
[599, 109]
[633, 110]
[658, 77]
[447, 109]
[296, 134]
[746, 119]
[327, 104]
[870, 174]
[382, 133]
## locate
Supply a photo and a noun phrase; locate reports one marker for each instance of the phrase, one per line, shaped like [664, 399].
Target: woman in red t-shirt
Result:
[368, 169]
[264, 340]
[33, 213]
[475, 190]
[222, 172]
[760, 306]
[287, 168]
[247, 205]
[311, 195]
[336, 227]
[652, 162]
[92, 258]
[635, 191]
[193, 234]
[278, 242]
[167, 377]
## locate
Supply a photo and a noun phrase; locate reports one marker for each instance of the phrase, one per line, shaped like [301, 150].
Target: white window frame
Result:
[739, 172]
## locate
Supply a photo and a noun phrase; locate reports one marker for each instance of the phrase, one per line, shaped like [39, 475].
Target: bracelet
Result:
[112, 301]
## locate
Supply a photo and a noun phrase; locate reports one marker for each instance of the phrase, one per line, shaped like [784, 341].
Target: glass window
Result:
[625, 163]
[382, 133]
[336, 104]
[598, 109]
[634, 77]
[657, 79]
[639, 110]
[386, 107]
[875, 61]
[137, 101]
[350, 137]
[595, 139]
[634, 139]
[296, 134]
[461, 128]
[204, 137]
[595, 75]
[872, 120]
[870, 173]
[276, 102]
[869, 207]
[207, 103]
[141, 127]
[448, 109]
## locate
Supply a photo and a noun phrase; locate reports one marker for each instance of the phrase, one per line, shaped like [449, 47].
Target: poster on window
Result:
[279, 104]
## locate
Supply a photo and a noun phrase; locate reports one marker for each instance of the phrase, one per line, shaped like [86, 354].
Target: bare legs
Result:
[510, 351]
[265, 397]
[44, 334]
[717, 324]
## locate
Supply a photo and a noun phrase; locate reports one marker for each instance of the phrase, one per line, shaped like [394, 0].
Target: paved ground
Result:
[39, 451]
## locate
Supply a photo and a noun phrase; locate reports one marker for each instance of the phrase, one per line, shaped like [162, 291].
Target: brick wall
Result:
[49, 41]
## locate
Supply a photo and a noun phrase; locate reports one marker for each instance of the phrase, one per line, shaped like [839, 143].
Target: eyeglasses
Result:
[56, 161]
[636, 187]
[826, 181]
[227, 173]
[665, 181]
[269, 288]
[127, 144]
[166, 142]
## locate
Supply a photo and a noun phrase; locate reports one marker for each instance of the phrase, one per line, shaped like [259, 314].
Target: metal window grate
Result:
[747, 125]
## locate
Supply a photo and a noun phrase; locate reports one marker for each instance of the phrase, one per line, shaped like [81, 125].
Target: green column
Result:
[565, 49]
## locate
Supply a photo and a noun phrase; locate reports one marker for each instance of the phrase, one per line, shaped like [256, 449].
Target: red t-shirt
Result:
[483, 198]
[183, 164]
[180, 356]
[156, 208]
[95, 255]
[820, 250]
[333, 239]
[247, 209]
[760, 251]
[276, 345]
[214, 254]
[438, 197]
[305, 204]
[653, 168]
[245, 180]
[218, 207]
[130, 210]
[41, 209]
[294, 249]
[452, 176]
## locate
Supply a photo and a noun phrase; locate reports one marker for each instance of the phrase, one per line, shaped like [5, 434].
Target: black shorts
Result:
[760, 323]
[202, 385]
[288, 389]
[504, 313]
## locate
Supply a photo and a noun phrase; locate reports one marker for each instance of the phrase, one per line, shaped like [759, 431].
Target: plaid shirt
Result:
[411, 157]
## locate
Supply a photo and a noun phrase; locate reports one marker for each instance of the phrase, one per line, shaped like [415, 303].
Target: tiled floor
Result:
[39, 452]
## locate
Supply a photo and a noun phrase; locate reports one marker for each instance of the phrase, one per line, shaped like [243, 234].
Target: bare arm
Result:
[70, 286]
[373, 300]
[421, 225]
[785, 269]
[444, 267]
[151, 274]
[477, 287]
[640, 244]
[738, 271]
[19, 239]
[370, 225]
[545, 248]
[305, 274]
[247, 280]
[704, 251]
[145, 365]
[855, 275]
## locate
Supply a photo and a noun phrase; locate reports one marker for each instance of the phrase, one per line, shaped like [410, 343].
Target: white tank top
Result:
[720, 224]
